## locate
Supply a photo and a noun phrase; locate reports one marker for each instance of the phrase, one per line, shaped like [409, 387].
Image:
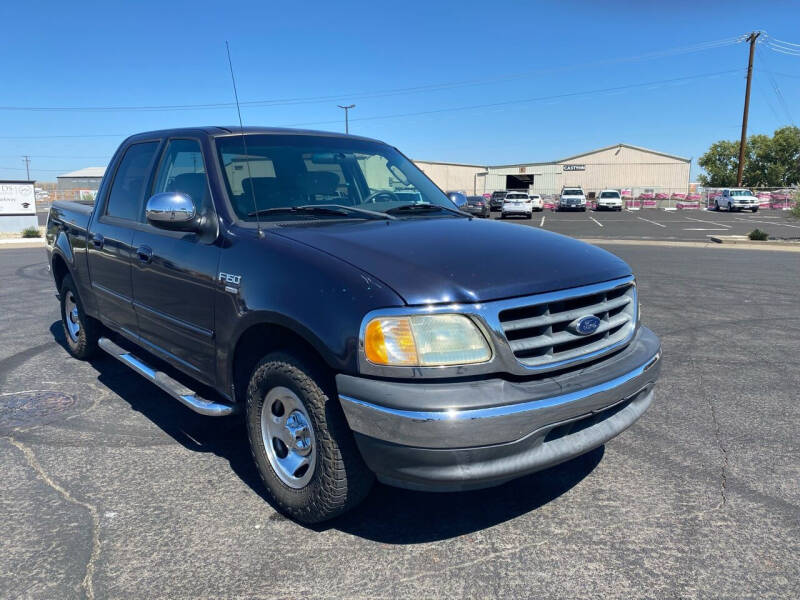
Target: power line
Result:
[453, 109]
[704, 46]
[775, 87]
[527, 100]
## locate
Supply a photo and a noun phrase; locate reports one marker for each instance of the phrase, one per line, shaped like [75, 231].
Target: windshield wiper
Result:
[337, 210]
[425, 208]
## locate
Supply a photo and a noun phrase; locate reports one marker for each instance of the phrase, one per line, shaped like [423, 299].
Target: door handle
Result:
[98, 240]
[145, 253]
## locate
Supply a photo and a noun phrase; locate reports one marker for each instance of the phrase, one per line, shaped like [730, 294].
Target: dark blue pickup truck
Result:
[324, 287]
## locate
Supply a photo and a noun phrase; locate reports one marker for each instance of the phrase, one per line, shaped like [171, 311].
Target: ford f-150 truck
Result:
[322, 286]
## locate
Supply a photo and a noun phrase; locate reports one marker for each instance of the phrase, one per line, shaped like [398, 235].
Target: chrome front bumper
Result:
[463, 435]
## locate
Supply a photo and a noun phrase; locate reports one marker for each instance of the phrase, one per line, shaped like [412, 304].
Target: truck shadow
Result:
[388, 515]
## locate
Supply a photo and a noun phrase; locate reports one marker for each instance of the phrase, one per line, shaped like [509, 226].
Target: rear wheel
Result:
[300, 441]
[80, 330]
[716, 206]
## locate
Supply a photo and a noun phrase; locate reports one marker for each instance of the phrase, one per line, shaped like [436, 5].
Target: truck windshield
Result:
[741, 193]
[572, 192]
[609, 195]
[289, 171]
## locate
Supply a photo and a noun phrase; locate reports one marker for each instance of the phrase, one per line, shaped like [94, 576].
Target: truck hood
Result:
[444, 260]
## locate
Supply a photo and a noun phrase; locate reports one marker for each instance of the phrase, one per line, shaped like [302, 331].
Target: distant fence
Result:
[639, 198]
[775, 198]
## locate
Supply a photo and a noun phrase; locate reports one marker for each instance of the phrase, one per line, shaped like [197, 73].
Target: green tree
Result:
[769, 161]
[720, 163]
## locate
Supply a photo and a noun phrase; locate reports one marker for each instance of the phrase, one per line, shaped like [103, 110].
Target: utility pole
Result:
[346, 121]
[27, 160]
[752, 39]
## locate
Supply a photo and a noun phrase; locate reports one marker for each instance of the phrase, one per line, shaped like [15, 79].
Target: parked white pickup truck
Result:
[572, 197]
[736, 199]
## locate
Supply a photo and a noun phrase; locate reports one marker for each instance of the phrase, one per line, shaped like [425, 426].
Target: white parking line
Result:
[596, 221]
[649, 221]
[541, 223]
[712, 222]
[768, 222]
[701, 229]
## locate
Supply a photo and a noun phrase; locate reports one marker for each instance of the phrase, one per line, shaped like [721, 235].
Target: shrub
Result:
[31, 232]
[758, 235]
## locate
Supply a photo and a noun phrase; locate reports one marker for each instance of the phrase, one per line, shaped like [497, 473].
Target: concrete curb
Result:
[11, 243]
[776, 247]
[743, 239]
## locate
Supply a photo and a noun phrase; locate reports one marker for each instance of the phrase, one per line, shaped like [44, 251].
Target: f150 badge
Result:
[230, 281]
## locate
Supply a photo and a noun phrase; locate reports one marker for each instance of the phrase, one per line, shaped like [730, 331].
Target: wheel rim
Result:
[71, 318]
[288, 437]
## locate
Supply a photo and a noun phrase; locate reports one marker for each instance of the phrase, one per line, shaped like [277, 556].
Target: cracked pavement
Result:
[117, 491]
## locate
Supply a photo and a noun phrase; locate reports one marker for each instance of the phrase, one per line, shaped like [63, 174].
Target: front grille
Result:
[539, 334]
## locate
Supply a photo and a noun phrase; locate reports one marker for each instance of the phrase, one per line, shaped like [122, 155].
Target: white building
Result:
[621, 166]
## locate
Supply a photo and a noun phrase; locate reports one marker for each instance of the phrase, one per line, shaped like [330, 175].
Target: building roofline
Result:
[574, 156]
[449, 164]
[622, 145]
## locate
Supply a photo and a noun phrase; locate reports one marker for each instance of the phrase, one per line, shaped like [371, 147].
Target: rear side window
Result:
[127, 191]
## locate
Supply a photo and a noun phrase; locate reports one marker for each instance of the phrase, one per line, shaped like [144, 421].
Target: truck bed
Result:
[74, 214]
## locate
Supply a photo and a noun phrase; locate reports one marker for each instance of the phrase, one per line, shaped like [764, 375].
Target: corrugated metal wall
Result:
[466, 178]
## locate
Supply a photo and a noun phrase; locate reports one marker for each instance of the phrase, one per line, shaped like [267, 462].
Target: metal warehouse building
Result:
[621, 167]
[82, 179]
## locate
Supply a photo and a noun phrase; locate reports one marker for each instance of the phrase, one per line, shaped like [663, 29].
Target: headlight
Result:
[425, 341]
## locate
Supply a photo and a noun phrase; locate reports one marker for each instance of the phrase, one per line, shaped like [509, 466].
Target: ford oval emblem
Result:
[585, 325]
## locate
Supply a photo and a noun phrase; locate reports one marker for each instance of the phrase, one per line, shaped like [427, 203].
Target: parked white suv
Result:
[536, 202]
[517, 203]
[609, 200]
[572, 197]
[736, 199]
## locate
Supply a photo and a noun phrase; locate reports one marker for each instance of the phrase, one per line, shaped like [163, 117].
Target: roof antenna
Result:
[244, 144]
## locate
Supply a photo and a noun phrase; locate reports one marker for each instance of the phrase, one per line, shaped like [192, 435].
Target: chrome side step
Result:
[175, 389]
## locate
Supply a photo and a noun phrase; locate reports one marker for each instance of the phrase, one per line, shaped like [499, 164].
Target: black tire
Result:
[340, 480]
[716, 206]
[80, 330]
[530, 215]
[755, 210]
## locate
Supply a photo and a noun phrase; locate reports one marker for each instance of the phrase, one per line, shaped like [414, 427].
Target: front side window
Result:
[126, 199]
[182, 170]
[278, 173]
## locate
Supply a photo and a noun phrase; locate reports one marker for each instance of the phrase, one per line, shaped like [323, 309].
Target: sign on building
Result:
[573, 167]
[17, 199]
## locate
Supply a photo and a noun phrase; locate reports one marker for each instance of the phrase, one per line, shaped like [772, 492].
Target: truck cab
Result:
[324, 288]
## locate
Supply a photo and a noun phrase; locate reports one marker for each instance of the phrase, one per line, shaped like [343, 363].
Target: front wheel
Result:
[300, 441]
[755, 210]
[81, 330]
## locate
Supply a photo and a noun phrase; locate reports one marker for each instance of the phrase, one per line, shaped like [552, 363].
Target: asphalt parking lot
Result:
[652, 224]
[113, 490]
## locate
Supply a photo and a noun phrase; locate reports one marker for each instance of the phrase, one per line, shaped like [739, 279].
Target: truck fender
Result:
[267, 319]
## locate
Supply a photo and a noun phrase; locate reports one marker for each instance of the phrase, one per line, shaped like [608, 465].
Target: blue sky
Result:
[532, 71]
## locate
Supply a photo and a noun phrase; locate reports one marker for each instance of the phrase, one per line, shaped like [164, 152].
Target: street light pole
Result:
[346, 120]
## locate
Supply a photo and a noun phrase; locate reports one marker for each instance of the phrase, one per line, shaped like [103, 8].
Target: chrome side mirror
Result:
[171, 210]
